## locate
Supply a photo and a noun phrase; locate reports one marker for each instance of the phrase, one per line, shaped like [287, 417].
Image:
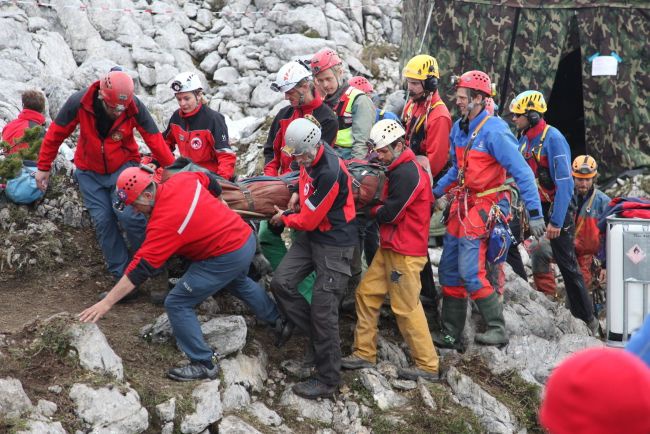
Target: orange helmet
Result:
[584, 166]
[116, 89]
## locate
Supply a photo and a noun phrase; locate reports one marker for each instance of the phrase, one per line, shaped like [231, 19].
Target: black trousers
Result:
[564, 252]
[320, 320]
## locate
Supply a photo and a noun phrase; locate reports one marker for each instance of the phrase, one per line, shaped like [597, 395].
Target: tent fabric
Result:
[478, 34]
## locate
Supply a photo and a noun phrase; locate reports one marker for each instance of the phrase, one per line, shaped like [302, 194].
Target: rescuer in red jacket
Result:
[107, 112]
[199, 132]
[30, 117]
[186, 218]
[323, 209]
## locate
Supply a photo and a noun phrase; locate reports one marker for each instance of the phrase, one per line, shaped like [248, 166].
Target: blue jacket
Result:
[640, 342]
[493, 152]
[383, 114]
[552, 168]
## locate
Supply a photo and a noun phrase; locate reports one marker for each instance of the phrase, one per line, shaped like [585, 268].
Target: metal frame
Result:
[645, 285]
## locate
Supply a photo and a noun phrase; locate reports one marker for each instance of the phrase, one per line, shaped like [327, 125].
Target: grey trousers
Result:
[320, 320]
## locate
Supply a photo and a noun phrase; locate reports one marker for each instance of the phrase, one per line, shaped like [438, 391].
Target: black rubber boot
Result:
[454, 311]
[492, 311]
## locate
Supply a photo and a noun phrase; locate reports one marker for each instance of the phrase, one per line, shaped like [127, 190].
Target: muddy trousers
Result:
[98, 193]
[320, 319]
[202, 280]
[398, 276]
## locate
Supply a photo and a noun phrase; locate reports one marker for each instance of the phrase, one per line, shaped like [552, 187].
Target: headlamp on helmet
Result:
[585, 167]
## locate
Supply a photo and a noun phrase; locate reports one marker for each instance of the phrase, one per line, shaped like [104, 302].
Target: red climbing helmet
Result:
[131, 183]
[116, 89]
[325, 59]
[362, 84]
[477, 80]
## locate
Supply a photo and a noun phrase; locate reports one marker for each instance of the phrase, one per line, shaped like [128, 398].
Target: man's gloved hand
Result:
[537, 227]
[441, 203]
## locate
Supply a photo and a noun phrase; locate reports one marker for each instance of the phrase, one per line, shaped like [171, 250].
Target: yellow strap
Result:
[537, 150]
[426, 114]
[591, 202]
[503, 187]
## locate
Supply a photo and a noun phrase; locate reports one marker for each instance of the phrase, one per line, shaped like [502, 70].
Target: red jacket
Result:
[15, 129]
[428, 124]
[102, 154]
[187, 220]
[202, 136]
[278, 162]
[406, 211]
[326, 201]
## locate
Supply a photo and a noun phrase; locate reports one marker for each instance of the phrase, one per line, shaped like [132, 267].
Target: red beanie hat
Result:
[598, 391]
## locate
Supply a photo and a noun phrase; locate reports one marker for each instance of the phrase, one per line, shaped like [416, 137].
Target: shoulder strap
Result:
[589, 204]
[461, 172]
[537, 151]
[425, 116]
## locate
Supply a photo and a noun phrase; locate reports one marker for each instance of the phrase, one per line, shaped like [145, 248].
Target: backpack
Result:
[367, 182]
[22, 189]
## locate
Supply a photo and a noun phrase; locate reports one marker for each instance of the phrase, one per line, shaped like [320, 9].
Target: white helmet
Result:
[186, 82]
[290, 75]
[302, 136]
[385, 132]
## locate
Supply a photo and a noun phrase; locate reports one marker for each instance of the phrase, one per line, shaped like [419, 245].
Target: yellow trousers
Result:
[398, 276]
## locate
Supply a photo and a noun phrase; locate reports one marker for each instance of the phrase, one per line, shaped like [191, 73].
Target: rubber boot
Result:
[454, 311]
[492, 311]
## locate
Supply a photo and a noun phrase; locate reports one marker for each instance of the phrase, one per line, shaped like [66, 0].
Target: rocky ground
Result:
[57, 375]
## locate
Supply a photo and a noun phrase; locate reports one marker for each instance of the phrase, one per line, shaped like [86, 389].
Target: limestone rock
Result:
[320, 410]
[493, 415]
[14, 402]
[380, 389]
[108, 410]
[208, 408]
[95, 354]
[234, 425]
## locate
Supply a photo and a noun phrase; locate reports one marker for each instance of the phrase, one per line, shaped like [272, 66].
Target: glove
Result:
[441, 203]
[537, 227]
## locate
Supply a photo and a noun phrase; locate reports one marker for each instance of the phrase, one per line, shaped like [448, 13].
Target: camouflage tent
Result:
[546, 45]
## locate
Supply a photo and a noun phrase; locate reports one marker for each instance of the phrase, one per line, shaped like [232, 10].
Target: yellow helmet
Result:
[584, 166]
[421, 67]
[528, 100]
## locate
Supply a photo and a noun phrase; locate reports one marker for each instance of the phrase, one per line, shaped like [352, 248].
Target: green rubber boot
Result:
[454, 311]
[492, 311]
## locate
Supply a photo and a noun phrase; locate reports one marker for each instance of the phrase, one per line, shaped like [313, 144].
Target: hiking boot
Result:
[413, 373]
[283, 331]
[454, 311]
[314, 389]
[131, 296]
[492, 312]
[355, 362]
[193, 371]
